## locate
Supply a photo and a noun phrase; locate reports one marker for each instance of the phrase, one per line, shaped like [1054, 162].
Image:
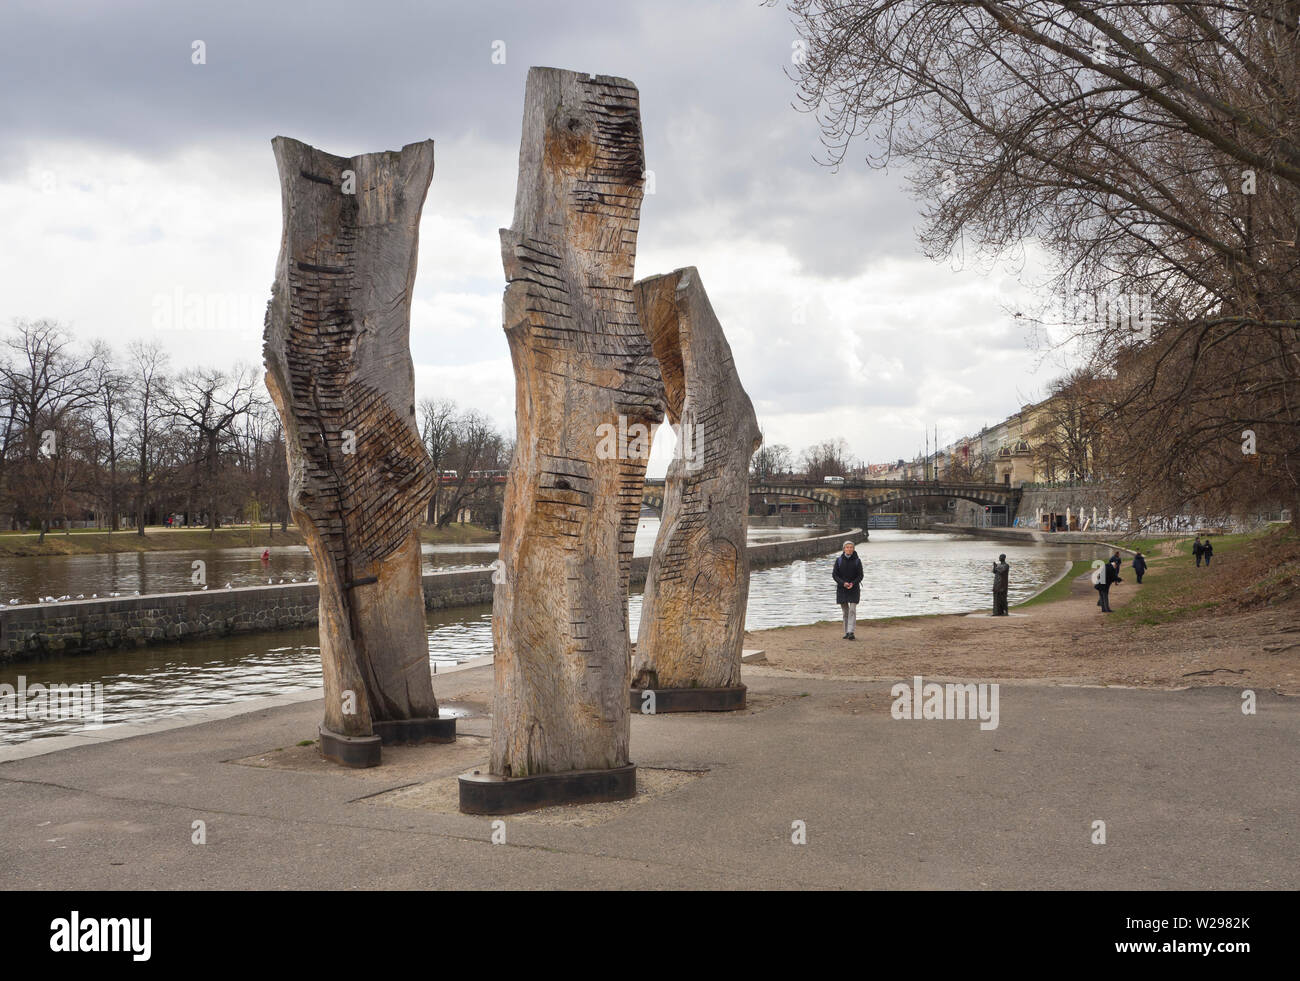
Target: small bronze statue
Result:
[1001, 574]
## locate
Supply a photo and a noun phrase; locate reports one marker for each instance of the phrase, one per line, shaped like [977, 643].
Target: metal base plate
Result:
[366, 751]
[689, 700]
[354, 751]
[410, 732]
[490, 794]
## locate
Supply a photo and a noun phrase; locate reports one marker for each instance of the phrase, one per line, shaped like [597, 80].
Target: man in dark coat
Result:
[848, 576]
[1197, 549]
[1001, 576]
[1139, 566]
[1207, 551]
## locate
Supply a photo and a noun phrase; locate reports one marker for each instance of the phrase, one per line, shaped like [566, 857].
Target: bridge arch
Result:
[849, 501]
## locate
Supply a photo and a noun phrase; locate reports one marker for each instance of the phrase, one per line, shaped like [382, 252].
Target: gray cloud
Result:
[736, 182]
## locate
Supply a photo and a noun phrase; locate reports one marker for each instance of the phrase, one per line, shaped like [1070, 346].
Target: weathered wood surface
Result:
[339, 369]
[693, 611]
[583, 370]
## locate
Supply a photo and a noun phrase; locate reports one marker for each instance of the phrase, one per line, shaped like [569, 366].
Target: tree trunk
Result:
[697, 587]
[140, 519]
[584, 378]
[113, 523]
[339, 369]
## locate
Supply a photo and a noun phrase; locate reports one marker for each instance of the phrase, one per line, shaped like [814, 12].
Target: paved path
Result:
[1194, 795]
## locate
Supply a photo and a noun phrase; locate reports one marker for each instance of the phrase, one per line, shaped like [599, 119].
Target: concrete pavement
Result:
[1193, 793]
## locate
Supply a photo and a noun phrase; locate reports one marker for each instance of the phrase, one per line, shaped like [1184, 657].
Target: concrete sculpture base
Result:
[490, 794]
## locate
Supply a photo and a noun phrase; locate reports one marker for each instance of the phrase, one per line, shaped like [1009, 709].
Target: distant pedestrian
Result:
[848, 576]
[1197, 550]
[1139, 567]
[1207, 551]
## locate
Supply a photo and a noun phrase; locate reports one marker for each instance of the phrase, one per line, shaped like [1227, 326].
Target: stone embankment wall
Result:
[1075, 498]
[1101, 539]
[797, 520]
[81, 626]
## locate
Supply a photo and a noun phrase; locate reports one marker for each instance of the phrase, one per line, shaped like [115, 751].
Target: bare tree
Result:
[111, 405]
[208, 403]
[149, 386]
[438, 431]
[1152, 150]
[770, 460]
[477, 447]
[1066, 435]
[828, 458]
[46, 384]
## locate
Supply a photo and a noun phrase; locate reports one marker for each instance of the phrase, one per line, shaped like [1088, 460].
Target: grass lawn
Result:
[92, 541]
[1248, 572]
[1059, 589]
[457, 535]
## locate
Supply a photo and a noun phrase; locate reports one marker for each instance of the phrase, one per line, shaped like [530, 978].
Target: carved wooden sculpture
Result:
[693, 612]
[339, 370]
[587, 390]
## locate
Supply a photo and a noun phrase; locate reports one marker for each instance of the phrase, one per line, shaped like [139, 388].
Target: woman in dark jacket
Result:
[1207, 550]
[848, 576]
[1139, 567]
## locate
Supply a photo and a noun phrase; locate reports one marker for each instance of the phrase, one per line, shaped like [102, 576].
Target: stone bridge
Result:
[852, 500]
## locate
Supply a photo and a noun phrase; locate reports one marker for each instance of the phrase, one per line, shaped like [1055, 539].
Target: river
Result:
[34, 579]
[906, 573]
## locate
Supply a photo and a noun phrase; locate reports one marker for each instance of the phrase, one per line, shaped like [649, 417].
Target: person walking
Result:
[848, 577]
[1139, 566]
[1197, 549]
[1207, 551]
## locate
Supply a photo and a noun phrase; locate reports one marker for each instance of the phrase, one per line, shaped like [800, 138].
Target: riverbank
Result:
[90, 541]
[1235, 624]
[31, 631]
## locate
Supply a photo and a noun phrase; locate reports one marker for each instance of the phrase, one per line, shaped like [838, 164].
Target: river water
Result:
[34, 579]
[906, 573]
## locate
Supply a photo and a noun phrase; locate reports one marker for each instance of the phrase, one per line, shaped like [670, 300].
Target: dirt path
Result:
[1069, 641]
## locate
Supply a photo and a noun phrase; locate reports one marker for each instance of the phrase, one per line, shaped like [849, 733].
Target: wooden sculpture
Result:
[587, 395]
[339, 370]
[693, 612]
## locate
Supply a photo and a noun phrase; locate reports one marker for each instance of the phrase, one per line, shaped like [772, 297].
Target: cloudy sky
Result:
[133, 180]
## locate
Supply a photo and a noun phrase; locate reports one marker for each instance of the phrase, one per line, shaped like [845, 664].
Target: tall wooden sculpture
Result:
[339, 369]
[587, 394]
[693, 613]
